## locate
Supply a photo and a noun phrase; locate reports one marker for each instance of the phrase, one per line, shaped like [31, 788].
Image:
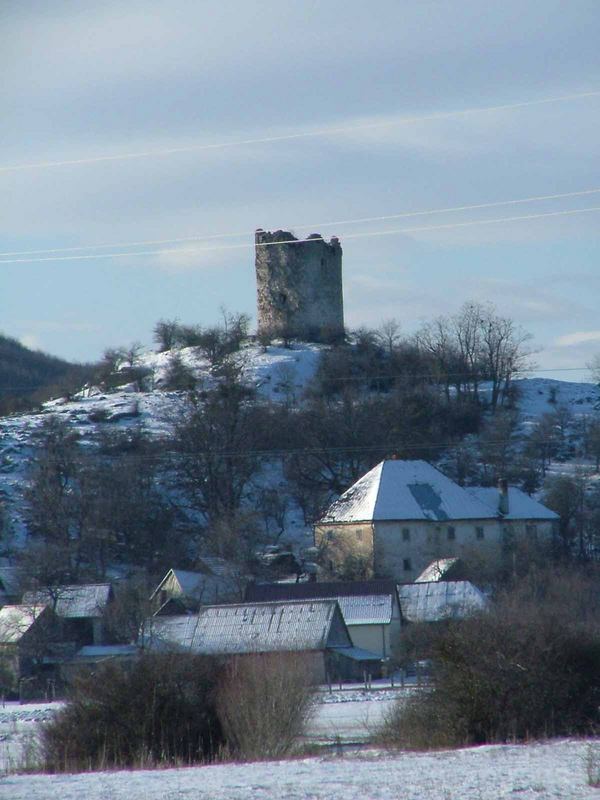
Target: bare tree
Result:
[388, 334]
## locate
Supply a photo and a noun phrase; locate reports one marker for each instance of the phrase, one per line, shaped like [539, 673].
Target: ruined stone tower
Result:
[299, 286]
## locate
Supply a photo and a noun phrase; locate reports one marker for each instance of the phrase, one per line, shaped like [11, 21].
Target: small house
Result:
[313, 628]
[26, 635]
[370, 609]
[217, 581]
[80, 608]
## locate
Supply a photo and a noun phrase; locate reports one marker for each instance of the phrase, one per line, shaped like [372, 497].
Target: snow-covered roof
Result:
[415, 490]
[431, 602]
[437, 570]
[252, 628]
[73, 602]
[520, 504]
[405, 490]
[366, 609]
[16, 620]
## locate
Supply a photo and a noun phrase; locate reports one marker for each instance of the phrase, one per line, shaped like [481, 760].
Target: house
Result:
[370, 609]
[402, 515]
[180, 590]
[314, 629]
[80, 608]
[440, 600]
[26, 634]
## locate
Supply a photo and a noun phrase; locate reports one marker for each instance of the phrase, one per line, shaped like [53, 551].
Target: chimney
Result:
[503, 499]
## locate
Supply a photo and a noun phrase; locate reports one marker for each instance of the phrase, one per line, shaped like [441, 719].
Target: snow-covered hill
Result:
[278, 374]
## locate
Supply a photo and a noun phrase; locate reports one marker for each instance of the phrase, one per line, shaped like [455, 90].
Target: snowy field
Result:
[553, 770]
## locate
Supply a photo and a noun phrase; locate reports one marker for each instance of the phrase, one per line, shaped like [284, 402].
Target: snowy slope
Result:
[277, 373]
[537, 771]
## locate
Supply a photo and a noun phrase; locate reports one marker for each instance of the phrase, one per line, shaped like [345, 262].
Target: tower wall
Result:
[299, 286]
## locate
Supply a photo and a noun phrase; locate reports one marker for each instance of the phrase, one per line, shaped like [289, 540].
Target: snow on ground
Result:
[539, 771]
[537, 396]
[352, 721]
[19, 729]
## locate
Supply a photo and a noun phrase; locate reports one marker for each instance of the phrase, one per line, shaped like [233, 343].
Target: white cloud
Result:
[577, 337]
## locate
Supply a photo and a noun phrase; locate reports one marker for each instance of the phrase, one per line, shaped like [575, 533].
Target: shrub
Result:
[159, 710]
[530, 667]
[264, 702]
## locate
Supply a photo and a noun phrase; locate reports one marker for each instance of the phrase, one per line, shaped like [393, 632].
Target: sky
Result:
[191, 118]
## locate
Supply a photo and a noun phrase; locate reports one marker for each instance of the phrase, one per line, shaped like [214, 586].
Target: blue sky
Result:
[82, 80]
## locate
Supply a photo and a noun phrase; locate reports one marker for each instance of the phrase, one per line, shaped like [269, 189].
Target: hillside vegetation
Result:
[30, 377]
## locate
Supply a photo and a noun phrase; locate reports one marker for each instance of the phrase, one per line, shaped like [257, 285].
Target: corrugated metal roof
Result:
[431, 602]
[520, 504]
[73, 602]
[366, 610]
[16, 620]
[252, 627]
[107, 651]
[361, 602]
[405, 490]
[437, 570]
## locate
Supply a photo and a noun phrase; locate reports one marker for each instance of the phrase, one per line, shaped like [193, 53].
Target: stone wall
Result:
[299, 286]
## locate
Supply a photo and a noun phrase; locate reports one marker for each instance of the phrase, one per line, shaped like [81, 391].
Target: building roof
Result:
[415, 490]
[437, 570]
[73, 602]
[361, 602]
[520, 504]
[104, 651]
[208, 587]
[432, 602]
[16, 620]
[252, 628]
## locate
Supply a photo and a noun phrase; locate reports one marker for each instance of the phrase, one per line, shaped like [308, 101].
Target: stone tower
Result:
[299, 286]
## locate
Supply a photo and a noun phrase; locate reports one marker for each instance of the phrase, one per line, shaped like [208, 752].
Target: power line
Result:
[308, 451]
[333, 131]
[349, 378]
[359, 220]
[367, 234]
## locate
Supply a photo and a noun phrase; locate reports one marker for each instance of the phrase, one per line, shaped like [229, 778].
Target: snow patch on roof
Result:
[437, 570]
[73, 602]
[252, 628]
[405, 490]
[520, 504]
[432, 602]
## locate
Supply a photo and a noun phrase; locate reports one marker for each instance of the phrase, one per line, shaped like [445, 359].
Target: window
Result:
[531, 530]
[406, 534]
[359, 536]
[407, 565]
[451, 533]
[479, 533]
[330, 536]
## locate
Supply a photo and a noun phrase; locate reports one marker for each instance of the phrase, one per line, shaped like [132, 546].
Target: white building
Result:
[402, 515]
